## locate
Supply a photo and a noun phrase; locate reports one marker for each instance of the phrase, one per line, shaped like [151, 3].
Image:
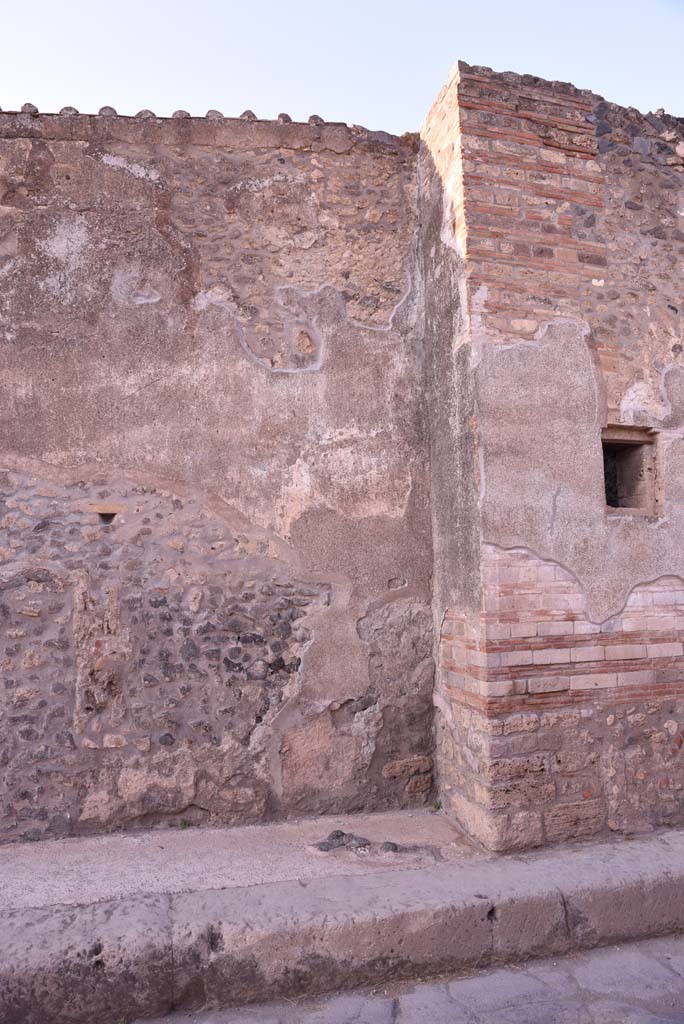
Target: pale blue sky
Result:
[379, 63]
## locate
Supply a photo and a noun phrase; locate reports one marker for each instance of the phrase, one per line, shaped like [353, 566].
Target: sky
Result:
[378, 63]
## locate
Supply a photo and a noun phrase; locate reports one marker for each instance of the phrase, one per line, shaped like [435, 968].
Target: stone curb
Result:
[144, 956]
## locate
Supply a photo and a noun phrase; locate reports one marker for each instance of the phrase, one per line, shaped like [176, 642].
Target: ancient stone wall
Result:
[290, 412]
[215, 551]
[560, 696]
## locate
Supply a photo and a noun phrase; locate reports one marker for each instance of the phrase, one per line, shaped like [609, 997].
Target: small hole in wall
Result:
[629, 469]
[106, 517]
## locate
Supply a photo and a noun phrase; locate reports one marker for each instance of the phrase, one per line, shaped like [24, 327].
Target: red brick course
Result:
[526, 155]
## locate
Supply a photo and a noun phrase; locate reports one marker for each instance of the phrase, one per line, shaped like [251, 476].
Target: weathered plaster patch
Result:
[137, 170]
[9, 234]
[130, 288]
[259, 184]
[370, 477]
[640, 402]
[670, 580]
[300, 348]
[67, 241]
[542, 409]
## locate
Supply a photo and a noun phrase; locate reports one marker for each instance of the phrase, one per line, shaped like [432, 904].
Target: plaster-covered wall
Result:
[571, 229]
[215, 554]
[451, 408]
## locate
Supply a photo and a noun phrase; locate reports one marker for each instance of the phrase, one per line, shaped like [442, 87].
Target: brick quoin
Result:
[564, 663]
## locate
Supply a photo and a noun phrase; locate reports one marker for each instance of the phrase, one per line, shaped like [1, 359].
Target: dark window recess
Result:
[106, 517]
[610, 473]
[629, 469]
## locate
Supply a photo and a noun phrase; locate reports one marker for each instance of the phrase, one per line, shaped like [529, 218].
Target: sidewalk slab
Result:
[138, 955]
[88, 870]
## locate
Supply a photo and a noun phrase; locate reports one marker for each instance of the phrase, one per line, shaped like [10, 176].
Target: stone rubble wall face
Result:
[214, 521]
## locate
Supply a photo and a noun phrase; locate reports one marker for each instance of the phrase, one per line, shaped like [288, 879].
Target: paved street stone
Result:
[638, 983]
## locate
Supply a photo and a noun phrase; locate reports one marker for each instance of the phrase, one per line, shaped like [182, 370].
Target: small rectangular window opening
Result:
[629, 469]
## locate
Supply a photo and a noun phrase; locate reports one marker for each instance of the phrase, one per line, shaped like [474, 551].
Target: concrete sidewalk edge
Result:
[144, 956]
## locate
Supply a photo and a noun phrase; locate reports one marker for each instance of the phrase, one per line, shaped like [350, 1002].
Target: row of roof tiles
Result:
[246, 115]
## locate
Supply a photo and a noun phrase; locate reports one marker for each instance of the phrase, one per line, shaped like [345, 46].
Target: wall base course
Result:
[612, 766]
